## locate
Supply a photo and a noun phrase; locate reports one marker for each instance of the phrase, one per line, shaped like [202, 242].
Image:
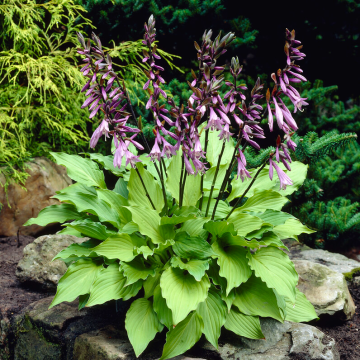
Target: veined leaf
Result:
[121, 188]
[291, 228]
[56, 213]
[81, 170]
[255, 298]
[233, 264]
[209, 177]
[76, 281]
[163, 312]
[218, 228]
[271, 239]
[302, 311]
[182, 292]
[191, 246]
[150, 285]
[174, 220]
[136, 270]
[141, 324]
[258, 234]
[196, 268]
[244, 223]
[137, 194]
[195, 227]
[222, 209]
[213, 311]
[108, 163]
[243, 325]
[274, 217]
[92, 229]
[275, 268]
[110, 285]
[77, 250]
[183, 337]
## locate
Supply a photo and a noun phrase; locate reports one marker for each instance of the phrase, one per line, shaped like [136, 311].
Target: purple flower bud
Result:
[146, 85]
[102, 129]
[86, 86]
[295, 80]
[94, 112]
[270, 118]
[188, 166]
[284, 179]
[155, 152]
[282, 84]
[225, 133]
[103, 92]
[278, 114]
[94, 103]
[88, 101]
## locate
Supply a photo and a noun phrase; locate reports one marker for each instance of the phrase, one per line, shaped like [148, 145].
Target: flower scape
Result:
[197, 243]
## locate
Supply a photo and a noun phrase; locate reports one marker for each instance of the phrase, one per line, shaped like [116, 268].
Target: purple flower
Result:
[225, 133]
[188, 166]
[155, 152]
[241, 171]
[102, 129]
[284, 179]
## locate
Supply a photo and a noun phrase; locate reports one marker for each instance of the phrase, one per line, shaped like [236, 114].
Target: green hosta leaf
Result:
[119, 246]
[110, 285]
[136, 270]
[121, 188]
[191, 246]
[83, 299]
[141, 324]
[81, 170]
[92, 229]
[229, 240]
[218, 228]
[148, 222]
[302, 311]
[222, 209]
[209, 177]
[213, 273]
[162, 246]
[55, 213]
[291, 228]
[244, 223]
[228, 299]
[117, 202]
[185, 210]
[130, 228]
[213, 311]
[233, 264]
[258, 234]
[77, 188]
[263, 200]
[275, 268]
[192, 191]
[76, 281]
[150, 285]
[145, 251]
[244, 325]
[93, 205]
[174, 220]
[196, 268]
[70, 231]
[77, 250]
[274, 217]
[297, 175]
[195, 227]
[183, 337]
[255, 298]
[163, 312]
[182, 292]
[271, 239]
[108, 163]
[137, 195]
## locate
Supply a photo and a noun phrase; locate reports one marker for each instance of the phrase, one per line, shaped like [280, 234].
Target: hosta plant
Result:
[196, 247]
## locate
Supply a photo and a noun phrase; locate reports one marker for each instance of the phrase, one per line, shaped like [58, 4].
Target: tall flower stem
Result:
[202, 177]
[183, 187]
[162, 172]
[146, 192]
[181, 180]
[238, 201]
[215, 176]
[226, 178]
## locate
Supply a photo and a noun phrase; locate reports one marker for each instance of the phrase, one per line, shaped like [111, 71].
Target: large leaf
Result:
[243, 325]
[192, 191]
[275, 268]
[148, 222]
[222, 209]
[182, 292]
[302, 311]
[233, 264]
[163, 312]
[196, 268]
[274, 217]
[191, 246]
[218, 228]
[263, 200]
[244, 223]
[108, 163]
[55, 213]
[110, 285]
[77, 250]
[92, 229]
[183, 337]
[291, 229]
[151, 283]
[76, 281]
[137, 269]
[93, 205]
[195, 227]
[121, 188]
[209, 177]
[213, 311]
[118, 246]
[174, 220]
[117, 202]
[81, 170]
[141, 324]
[255, 298]
[271, 239]
[137, 194]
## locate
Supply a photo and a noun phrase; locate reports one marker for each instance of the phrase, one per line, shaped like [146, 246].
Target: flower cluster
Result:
[104, 96]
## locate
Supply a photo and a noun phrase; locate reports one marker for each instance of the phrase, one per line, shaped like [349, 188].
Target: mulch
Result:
[15, 296]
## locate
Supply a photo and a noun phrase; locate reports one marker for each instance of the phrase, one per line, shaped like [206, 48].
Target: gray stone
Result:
[337, 262]
[325, 288]
[36, 265]
[24, 202]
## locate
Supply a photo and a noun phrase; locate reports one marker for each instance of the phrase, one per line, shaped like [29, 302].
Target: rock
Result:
[337, 262]
[36, 266]
[325, 288]
[283, 342]
[45, 179]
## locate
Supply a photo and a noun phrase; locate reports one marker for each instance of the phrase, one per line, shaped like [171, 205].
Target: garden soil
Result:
[15, 296]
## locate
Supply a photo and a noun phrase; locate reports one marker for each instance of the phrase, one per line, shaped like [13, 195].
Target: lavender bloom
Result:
[103, 129]
[284, 179]
[241, 171]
